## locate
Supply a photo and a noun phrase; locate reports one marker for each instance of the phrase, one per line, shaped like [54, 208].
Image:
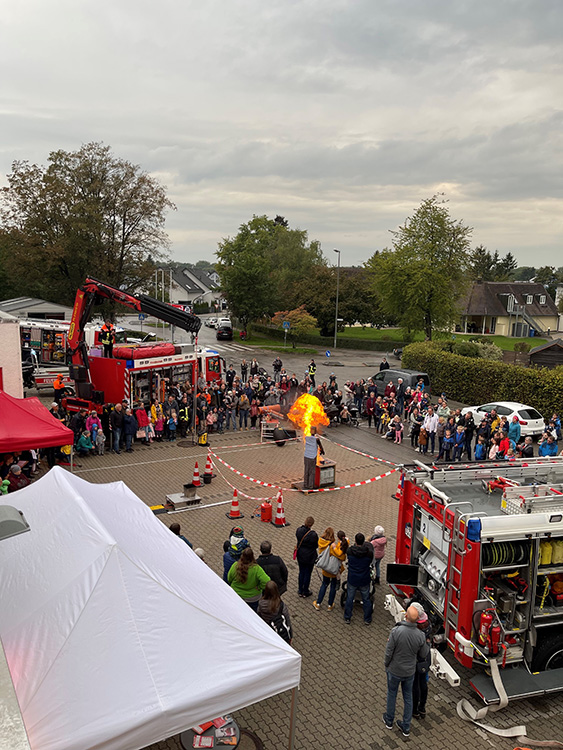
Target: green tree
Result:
[524, 273]
[86, 213]
[263, 264]
[491, 266]
[550, 277]
[422, 278]
[300, 320]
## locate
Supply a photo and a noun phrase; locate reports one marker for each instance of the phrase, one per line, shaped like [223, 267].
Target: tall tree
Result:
[491, 266]
[261, 266]
[86, 213]
[524, 273]
[422, 278]
[550, 277]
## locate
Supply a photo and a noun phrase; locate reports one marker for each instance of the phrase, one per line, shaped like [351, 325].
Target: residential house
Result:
[38, 309]
[509, 309]
[193, 286]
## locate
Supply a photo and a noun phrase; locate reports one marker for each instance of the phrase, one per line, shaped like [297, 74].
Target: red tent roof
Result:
[25, 423]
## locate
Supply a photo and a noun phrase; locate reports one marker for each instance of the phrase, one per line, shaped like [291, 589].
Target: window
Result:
[529, 413]
[529, 299]
[542, 299]
[510, 303]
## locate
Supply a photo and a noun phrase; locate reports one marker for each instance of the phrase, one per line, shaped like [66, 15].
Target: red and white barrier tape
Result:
[292, 489]
[367, 455]
[243, 494]
[253, 445]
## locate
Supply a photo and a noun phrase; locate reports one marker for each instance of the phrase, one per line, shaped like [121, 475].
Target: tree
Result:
[300, 321]
[491, 267]
[262, 265]
[422, 278]
[524, 273]
[86, 213]
[550, 277]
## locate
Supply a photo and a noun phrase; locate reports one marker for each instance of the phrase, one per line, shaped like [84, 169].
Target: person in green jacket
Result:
[248, 579]
[84, 445]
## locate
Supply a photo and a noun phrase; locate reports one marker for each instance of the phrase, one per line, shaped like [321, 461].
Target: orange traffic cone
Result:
[279, 521]
[196, 481]
[208, 474]
[235, 511]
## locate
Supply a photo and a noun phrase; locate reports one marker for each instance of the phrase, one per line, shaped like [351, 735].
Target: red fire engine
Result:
[487, 567]
[133, 372]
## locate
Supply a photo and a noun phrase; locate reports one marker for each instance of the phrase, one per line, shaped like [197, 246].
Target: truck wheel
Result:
[549, 653]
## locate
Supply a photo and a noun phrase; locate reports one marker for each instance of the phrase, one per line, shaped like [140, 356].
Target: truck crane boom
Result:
[93, 291]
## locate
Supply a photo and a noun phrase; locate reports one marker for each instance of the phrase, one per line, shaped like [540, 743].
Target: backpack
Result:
[280, 625]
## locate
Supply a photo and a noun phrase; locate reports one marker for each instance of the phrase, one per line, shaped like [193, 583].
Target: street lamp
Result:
[337, 288]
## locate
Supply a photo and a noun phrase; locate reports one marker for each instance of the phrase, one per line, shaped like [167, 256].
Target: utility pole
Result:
[337, 290]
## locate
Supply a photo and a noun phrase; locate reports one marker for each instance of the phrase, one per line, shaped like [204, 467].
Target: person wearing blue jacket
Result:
[514, 430]
[459, 442]
[548, 447]
[447, 445]
[360, 560]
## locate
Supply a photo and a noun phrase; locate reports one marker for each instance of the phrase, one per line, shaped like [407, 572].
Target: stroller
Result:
[332, 413]
[354, 415]
[358, 597]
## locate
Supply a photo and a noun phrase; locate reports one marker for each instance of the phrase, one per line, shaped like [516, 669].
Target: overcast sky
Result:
[340, 115]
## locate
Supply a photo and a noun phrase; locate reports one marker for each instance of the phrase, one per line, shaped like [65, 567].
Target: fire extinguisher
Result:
[485, 626]
[495, 639]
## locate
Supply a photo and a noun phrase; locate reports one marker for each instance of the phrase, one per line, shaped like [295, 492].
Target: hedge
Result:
[476, 381]
[325, 342]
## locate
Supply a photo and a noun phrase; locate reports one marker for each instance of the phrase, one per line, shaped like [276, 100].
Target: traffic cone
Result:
[208, 474]
[279, 521]
[235, 511]
[196, 481]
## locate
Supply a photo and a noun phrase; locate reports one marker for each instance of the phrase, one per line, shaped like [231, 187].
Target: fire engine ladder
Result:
[457, 558]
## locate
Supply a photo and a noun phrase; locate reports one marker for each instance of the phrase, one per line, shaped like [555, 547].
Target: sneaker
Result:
[415, 715]
[316, 606]
[309, 593]
[330, 607]
[422, 714]
[347, 621]
[406, 732]
[367, 622]
[387, 726]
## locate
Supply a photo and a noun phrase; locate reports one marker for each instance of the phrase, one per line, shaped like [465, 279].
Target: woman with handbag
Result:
[332, 553]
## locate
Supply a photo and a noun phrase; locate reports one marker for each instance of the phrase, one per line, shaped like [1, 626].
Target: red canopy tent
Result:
[25, 423]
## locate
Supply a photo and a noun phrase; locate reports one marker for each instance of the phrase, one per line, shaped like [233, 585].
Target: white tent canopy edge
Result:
[116, 634]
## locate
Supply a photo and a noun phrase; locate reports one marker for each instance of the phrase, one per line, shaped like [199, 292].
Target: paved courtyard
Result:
[342, 695]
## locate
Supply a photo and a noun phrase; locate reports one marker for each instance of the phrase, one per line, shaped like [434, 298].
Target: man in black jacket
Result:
[360, 559]
[307, 543]
[274, 566]
[116, 425]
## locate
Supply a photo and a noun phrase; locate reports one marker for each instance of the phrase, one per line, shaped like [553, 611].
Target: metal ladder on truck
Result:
[455, 570]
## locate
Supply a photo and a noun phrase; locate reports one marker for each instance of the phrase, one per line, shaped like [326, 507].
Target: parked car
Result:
[531, 421]
[224, 332]
[211, 322]
[410, 379]
[224, 322]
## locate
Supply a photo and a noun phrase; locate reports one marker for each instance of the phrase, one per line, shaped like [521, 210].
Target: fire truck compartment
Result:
[518, 683]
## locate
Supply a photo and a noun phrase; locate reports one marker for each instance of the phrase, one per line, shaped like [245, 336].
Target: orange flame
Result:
[308, 412]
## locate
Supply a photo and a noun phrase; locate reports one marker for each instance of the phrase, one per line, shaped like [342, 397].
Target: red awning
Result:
[25, 423]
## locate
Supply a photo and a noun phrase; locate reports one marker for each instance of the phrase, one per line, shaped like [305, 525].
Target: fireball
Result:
[308, 412]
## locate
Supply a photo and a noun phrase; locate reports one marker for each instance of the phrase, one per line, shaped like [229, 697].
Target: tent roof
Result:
[26, 423]
[116, 633]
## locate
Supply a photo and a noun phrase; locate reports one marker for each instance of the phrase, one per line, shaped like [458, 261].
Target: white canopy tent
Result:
[116, 634]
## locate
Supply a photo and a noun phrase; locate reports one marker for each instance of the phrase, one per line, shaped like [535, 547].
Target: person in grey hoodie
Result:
[406, 645]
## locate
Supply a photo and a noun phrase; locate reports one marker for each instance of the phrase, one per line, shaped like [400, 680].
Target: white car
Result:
[224, 322]
[211, 322]
[531, 421]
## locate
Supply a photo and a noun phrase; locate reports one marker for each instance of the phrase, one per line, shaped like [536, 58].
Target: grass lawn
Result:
[394, 334]
[274, 345]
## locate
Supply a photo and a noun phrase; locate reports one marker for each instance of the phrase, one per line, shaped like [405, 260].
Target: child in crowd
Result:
[379, 542]
[253, 413]
[100, 443]
[212, 420]
[220, 419]
[447, 446]
[159, 424]
[459, 443]
[422, 440]
[172, 424]
[481, 449]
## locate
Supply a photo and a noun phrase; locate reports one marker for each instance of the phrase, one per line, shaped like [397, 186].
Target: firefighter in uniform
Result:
[184, 411]
[108, 338]
[311, 371]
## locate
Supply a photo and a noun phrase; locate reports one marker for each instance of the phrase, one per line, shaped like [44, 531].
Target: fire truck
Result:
[134, 372]
[481, 547]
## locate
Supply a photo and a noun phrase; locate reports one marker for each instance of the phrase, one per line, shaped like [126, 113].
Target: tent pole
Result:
[72, 459]
[292, 718]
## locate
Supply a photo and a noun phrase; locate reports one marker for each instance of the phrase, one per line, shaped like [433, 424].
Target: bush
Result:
[488, 350]
[522, 347]
[466, 349]
[476, 381]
